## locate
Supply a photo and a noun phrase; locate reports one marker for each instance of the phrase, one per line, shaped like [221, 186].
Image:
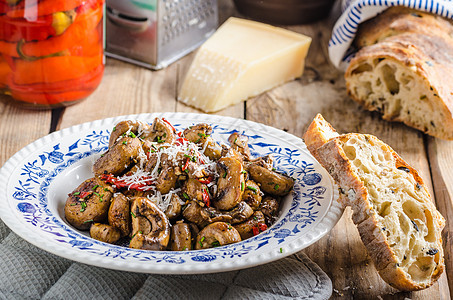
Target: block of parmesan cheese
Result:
[240, 60]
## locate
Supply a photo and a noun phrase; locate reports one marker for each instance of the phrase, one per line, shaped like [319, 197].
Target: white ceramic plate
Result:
[36, 180]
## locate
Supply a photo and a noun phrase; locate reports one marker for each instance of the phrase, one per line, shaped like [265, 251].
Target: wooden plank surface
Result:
[19, 127]
[127, 89]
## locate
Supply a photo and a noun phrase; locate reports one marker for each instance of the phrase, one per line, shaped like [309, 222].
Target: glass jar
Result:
[51, 51]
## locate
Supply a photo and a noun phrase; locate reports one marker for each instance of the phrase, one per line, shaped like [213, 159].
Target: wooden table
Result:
[128, 89]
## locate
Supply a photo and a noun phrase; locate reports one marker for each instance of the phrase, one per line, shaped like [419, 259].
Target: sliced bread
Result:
[404, 71]
[392, 208]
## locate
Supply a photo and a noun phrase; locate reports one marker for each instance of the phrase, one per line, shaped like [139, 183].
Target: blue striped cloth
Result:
[358, 11]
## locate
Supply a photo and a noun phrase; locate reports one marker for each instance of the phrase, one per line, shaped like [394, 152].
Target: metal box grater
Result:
[155, 33]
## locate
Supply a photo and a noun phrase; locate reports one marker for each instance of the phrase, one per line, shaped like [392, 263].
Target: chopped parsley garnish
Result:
[252, 188]
[88, 221]
[215, 244]
[124, 142]
[95, 187]
[185, 195]
[132, 135]
[132, 214]
[276, 187]
[76, 193]
[83, 205]
[242, 185]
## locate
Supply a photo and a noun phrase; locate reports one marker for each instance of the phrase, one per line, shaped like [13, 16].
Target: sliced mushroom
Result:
[167, 177]
[162, 132]
[119, 157]
[119, 215]
[105, 233]
[231, 183]
[240, 213]
[173, 210]
[181, 237]
[270, 181]
[252, 194]
[239, 143]
[130, 128]
[201, 134]
[245, 229]
[217, 234]
[193, 189]
[230, 152]
[88, 203]
[150, 226]
[269, 207]
[266, 161]
[194, 213]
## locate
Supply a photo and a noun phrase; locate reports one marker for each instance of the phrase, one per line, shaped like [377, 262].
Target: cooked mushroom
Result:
[194, 213]
[119, 215]
[201, 134]
[269, 207]
[119, 157]
[173, 210]
[245, 229]
[240, 213]
[162, 132]
[105, 233]
[130, 128]
[88, 203]
[193, 189]
[150, 226]
[270, 181]
[239, 143]
[167, 177]
[181, 237]
[217, 234]
[266, 161]
[231, 183]
[252, 194]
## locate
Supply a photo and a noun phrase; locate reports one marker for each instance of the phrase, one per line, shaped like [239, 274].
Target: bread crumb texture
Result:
[402, 226]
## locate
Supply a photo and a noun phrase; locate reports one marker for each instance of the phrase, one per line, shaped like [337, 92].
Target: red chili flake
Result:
[206, 180]
[262, 227]
[256, 230]
[186, 164]
[206, 198]
[85, 194]
[166, 121]
[180, 134]
[181, 141]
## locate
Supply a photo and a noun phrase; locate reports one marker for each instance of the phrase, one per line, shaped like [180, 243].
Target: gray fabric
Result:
[27, 272]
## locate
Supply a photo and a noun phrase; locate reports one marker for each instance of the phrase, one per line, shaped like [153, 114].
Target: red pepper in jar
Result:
[75, 36]
[54, 69]
[52, 52]
[15, 29]
[44, 7]
[5, 70]
[57, 92]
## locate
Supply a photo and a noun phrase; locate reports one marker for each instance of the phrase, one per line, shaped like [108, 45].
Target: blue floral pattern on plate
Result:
[60, 161]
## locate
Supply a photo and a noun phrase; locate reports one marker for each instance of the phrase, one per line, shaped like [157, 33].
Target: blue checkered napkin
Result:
[358, 11]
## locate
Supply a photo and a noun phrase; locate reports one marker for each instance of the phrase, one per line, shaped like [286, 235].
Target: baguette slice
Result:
[407, 74]
[392, 208]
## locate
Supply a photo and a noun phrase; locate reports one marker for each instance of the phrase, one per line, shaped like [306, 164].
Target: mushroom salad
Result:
[159, 189]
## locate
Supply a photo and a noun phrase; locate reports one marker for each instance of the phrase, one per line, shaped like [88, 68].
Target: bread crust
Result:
[333, 158]
[400, 19]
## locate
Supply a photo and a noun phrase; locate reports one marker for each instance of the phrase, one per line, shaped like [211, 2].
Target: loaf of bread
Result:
[404, 70]
[392, 208]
